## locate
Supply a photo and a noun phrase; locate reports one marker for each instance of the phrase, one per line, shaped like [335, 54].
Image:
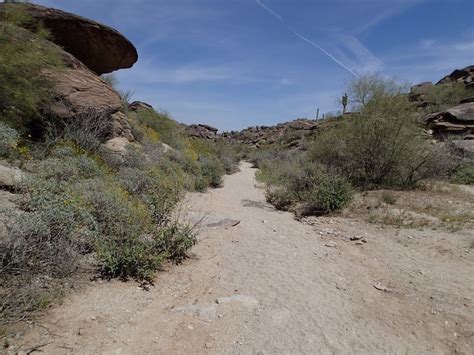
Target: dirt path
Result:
[274, 285]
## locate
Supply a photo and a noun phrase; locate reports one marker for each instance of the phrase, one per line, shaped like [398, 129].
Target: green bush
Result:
[292, 181]
[382, 145]
[168, 130]
[212, 170]
[464, 174]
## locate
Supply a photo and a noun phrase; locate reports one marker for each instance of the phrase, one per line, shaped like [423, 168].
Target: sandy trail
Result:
[274, 285]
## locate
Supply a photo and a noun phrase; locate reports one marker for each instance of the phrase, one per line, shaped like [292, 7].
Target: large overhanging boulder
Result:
[101, 48]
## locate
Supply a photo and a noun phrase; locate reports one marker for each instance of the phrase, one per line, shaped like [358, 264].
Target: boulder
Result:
[9, 177]
[419, 92]
[201, 131]
[77, 91]
[101, 48]
[465, 148]
[139, 105]
[463, 112]
[465, 75]
[421, 88]
[457, 120]
[117, 145]
[121, 127]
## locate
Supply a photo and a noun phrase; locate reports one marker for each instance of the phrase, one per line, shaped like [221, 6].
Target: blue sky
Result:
[238, 63]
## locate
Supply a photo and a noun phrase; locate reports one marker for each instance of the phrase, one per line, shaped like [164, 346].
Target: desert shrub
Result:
[65, 165]
[158, 188]
[228, 154]
[388, 198]
[88, 130]
[168, 130]
[9, 139]
[440, 97]
[381, 145]
[212, 170]
[176, 239]
[464, 174]
[297, 180]
[24, 55]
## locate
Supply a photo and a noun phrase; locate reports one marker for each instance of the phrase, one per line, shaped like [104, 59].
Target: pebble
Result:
[190, 327]
[331, 244]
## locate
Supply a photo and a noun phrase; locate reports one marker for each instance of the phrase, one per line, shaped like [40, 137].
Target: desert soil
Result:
[274, 285]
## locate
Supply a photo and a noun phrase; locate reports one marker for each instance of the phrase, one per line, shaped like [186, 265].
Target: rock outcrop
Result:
[291, 133]
[101, 48]
[456, 120]
[465, 76]
[139, 105]
[419, 92]
[201, 131]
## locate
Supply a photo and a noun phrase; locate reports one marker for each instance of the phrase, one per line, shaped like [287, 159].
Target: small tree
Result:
[384, 144]
[369, 86]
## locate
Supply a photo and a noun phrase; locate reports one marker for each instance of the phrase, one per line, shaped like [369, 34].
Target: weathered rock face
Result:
[201, 131]
[101, 48]
[77, 90]
[465, 75]
[456, 120]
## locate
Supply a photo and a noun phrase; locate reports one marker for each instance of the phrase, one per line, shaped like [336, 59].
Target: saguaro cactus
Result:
[345, 101]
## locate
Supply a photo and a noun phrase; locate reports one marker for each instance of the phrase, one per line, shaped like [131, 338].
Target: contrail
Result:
[306, 39]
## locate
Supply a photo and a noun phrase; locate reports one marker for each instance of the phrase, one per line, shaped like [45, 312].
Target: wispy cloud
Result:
[304, 38]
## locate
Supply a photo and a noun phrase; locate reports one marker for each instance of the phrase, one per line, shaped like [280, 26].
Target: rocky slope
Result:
[457, 121]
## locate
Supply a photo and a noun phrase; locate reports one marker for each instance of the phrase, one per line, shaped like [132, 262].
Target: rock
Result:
[101, 48]
[201, 131]
[117, 145]
[422, 88]
[225, 223]
[78, 91]
[331, 244]
[456, 120]
[465, 148]
[9, 177]
[354, 238]
[383, 288]
[419, 92]
[465, 75]
[463, 112]
[139, 105]
[121, 127]
[291, 134]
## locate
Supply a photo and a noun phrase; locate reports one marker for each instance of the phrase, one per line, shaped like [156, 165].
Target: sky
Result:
[239, 63]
